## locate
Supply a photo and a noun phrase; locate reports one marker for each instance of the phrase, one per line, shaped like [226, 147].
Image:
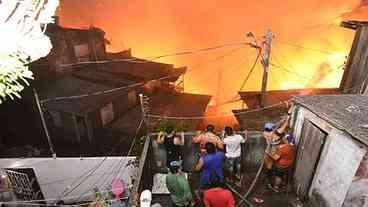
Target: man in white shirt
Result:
[233, 152]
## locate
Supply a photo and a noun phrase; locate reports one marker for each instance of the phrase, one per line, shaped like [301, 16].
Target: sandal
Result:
[274, 188]
[257, 200]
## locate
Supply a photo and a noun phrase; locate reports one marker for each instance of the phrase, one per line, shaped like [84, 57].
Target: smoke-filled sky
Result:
[155, 27]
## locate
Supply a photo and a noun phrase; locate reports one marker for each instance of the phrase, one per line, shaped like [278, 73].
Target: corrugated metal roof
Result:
[345, 112]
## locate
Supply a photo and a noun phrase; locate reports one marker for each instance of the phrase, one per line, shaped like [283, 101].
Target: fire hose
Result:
[244, 197]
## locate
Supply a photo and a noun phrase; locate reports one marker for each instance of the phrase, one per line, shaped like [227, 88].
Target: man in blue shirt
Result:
[210, 165]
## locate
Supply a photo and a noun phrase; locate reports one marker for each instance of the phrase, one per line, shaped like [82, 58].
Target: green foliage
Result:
[13, 75]
[175, 125]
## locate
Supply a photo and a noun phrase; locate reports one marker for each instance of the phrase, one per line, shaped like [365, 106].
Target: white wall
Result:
[57, 175]
[339, 162]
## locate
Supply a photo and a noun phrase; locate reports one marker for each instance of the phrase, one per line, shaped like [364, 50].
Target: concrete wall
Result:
[252, 152]
[338, 163]
[62, 174]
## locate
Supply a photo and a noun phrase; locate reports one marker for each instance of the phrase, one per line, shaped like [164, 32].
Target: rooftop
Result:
[276, 96]
[178, 104]
[71, 86]
[353, 24]
[165, 104]
[346, 112]
[96, 75]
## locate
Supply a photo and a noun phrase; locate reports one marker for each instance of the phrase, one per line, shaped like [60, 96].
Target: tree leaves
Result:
[13, 75]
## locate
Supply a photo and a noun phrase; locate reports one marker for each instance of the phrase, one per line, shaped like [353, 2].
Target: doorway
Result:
[310, 148]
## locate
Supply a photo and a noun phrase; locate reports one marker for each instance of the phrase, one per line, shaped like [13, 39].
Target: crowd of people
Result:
[220, 163]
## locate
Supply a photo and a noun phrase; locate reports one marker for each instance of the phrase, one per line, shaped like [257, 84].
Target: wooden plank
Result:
[357, 67]
[142, 161]
[309, 151]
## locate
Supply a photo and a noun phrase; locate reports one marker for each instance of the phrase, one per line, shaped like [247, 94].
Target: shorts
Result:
[280, 172]
[233, 164]
[172, 204]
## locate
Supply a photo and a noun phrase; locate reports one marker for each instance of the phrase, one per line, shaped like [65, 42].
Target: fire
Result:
[290, 85]
[337, 59]
[309, 47]
[326, 73]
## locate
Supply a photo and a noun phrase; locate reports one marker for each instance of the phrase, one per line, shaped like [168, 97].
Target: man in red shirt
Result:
[218, 196]
[283, 157]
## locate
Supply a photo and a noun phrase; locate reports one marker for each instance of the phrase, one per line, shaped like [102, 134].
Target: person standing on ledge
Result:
[172, 143]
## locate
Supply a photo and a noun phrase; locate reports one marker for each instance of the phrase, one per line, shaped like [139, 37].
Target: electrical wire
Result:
[103, 92]
[200, 50]
[151, 58]
[291, 72]
[119, 165]
[303, 47]
[119, 88]
[215, 116]
[251, 70]
[90, 172]
[221, 57]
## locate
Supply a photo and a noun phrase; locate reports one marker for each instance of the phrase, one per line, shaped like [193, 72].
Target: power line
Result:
[216, 116]
[120, 163]
[251, 70]
[151, 58]
[279, 51]
[103, 92]
[291, 72]
[200, 50]
[303, 47]
[93, 170]
[221, 57]
[123, 87]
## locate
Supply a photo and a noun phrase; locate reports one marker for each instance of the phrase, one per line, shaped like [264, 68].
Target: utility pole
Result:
[44, 124]
[266, 65]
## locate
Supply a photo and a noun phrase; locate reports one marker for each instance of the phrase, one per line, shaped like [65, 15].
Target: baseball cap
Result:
[268, 126]
[146, 198]
[290, 138]
[176, 163]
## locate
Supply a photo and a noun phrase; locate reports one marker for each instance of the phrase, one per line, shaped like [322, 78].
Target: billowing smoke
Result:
[323, 70]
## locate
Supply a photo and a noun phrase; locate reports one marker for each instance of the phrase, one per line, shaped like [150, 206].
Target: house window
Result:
[107, 114]
[82, 52]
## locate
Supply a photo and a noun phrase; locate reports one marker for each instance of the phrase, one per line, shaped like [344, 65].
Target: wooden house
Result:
[331, 137]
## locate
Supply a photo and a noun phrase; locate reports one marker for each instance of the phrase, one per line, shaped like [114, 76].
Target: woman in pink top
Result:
[208, 136]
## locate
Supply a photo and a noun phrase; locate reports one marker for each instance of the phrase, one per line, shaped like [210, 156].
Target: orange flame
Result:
[153, 28]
